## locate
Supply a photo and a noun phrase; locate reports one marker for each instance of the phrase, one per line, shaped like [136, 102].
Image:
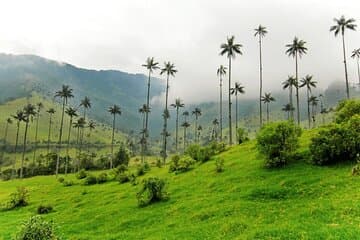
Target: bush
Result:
[19, 198]
[346, 109]
[183, 164]
[152, 190]
[6, 174]
[37, 228]
[44, 209]
[193, 151]
[121, 157]
[278, 142]
[103, 177]
[81, 174]
[68, 183]
[242, 135]
[198, 153]
[219, 147]
[61, 179]
[90, 180]
[122, 177]
[142, 169]
[219, 165]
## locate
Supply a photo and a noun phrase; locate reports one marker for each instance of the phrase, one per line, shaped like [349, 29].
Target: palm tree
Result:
[186, 115]
[65, 93]
[29, 112]
[86, 104]
[290, 83]
[38, 110]
[238, 88]
[113, 110]
[356, 54]
[19, 117]
[215, 124]
[267, 99]
[91, 125]
[79, 124]
[8, 122]
[151, 65]
[199, 129]
[51, 111]
[221, 71]
[185, 125]
[177, 105]
[309, 84]
[340, 26]
[142, 111]
[260, 31]
[71, 112]
[197, 113]
[288, 108]
[230, 49]
[296, 49]
[313, 101]
[169, 69]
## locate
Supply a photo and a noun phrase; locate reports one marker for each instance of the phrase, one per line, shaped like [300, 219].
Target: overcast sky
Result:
[122, 34]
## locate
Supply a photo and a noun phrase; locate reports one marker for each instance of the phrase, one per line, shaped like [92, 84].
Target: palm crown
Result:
[308, 82]
[260, 31]
[178, 103]
[71, 112]
[221, 71]
[196, 112]
[291, 81]
[237, 89]
[342, 24]
[86, 103]
[51, 111]
[267, 98]
[230, 48]
[115, 109]
[29, 111]
[169, 69]
[19, 116]
[150, 64]
[356, 53]
[296, 47]
[65, 93]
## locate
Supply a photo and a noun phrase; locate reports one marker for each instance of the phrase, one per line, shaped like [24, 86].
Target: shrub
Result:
[81, 174]
[193, 151]
[181, 164]
[219, 165]
[142, 169]
[219, 147]
[346, 109]
[278, 141]
[87, 160]
[242, 135]
[132, 178]
[68, 183]
[19, 198]
[121, 168]
[90, 180]
[37, 228]
[122, 177]
[205, 154]
[103, 177]
[44, 209]
[121, 157]
[152, 190]
[6, 174]
[61, 179]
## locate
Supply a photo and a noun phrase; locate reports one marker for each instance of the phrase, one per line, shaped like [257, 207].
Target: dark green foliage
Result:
[81, 174]
[90, 180]
[36, 228]
[336, 143]
[142, 169]
[193, 151]
[44, 209]
[278, 142]
[219, 165]
[219, 147]
[356, 169]
[242, 135]
[68, 183]
[103, 177]
[122, 168]
[123, 177]
[201, 154]
[181, 164]
[87, 161]
[6, 174]
[346, 109]
[122, 157]
[61, 179]
[152, 190]
[19, 198]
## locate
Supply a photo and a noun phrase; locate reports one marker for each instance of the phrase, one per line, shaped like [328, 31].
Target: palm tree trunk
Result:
[60, 136]
[221, 111]
[236, 116]
[308, 108]
[267, 113]
[147, 105]
[165, 118]
[4, 147]
[36, 137]
[184, 138]
[67, 146]
[195, 129]
[291, 103]
[358, 70]
[24, 149]
[346, 73]
[15, 149]
[177, 128]
[77, 146]
[48, 142]
[297, 89]
[230, 127]
[260, 94]
[112, 143]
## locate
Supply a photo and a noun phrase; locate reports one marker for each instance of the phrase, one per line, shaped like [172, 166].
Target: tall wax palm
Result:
[71, 112]
[8, 122]
[296, 49]
[197, 113]
[113, 110]
[260, 32]
[356, 54]
[185, 115]
[38, 111]
[177, 105]
[340, 26]
[29, 112]
[91, 125]
[230, 49]
[86, 105]
[238, 88]
[221, 71]
[50, 111]
[308, 82]
[290, 83]
[313, 102]
[151, 65]
[19, 117]
[169, 70]
[267, 99]
[65, 93]
[79, 124]
[185, 125]
[199, 129]
[142, 111]
[288, 108]
[215, 124]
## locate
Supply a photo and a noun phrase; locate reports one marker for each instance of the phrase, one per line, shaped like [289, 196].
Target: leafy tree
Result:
[197, 113]
[290, 83]
[71, 112]
[221, 71]
[308, 82]
[267, 99]
[29, 113]
[177, 105]
[235, 91]
[356, 54]
[260, 31]
[230, 49]
[340, 26]
[296, 49]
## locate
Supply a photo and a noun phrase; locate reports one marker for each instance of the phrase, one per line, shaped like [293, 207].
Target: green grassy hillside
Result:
[246, 201]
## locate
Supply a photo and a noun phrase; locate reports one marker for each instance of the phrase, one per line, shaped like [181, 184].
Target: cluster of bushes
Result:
[204, 153]
[152, 190]
[37, 228]
[20, 198]
[181, 164]
[278, 142]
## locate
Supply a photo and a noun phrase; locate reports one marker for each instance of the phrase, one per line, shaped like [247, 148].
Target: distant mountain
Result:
[22, 74]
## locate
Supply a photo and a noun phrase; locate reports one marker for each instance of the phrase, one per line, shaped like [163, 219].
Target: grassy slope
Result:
[246, 201]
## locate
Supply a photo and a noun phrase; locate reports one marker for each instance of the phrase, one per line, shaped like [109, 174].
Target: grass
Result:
[246, 201]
